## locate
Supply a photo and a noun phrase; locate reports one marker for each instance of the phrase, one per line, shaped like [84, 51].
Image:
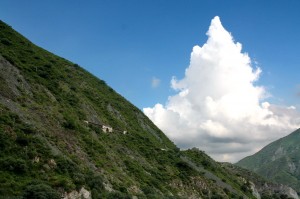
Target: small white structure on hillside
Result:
[107, 129]
[86, 122]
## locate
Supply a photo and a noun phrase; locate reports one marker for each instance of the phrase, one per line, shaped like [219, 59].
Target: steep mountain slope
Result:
[278, 161]
[63, 132]
[228, 176]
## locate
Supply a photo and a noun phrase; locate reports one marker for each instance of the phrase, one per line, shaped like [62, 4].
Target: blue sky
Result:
[128, 43]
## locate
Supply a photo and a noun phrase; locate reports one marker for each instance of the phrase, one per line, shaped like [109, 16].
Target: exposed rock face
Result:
[285, 190]
[278, 153]
[257, 191]
[12, 82]
[292, 193]
[254, 191]
[82, 194]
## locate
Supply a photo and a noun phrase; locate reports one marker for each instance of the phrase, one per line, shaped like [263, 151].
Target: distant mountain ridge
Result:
[279, 161]
[66, 134]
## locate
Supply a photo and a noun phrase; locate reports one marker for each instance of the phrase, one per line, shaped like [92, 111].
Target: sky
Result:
[218, 75]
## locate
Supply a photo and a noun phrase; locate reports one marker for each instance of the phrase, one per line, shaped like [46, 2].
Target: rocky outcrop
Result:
[254, 190]
[12, 82]
[278, 188]
[270, 189]
[82, 194]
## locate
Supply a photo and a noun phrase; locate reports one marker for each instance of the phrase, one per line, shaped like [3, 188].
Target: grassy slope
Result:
[46, 147]
[279, 161]
[44, 121]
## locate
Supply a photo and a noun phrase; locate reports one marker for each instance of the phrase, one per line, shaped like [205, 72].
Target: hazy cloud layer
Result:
[218, 107]
[155, 82]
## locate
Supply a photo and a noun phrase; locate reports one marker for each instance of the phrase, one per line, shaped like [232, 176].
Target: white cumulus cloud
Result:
[218, 107]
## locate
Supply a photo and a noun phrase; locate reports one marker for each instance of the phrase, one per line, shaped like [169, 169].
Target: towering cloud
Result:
[218, 108]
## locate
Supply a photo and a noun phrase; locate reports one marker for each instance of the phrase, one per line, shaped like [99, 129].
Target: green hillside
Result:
[65, 132]
[278, 161]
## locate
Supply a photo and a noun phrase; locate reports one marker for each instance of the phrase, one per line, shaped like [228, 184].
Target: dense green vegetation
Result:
[279, 161]
[51, 141]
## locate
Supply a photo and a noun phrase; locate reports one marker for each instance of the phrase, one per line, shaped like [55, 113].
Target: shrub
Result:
[70, 122]
[226, 190]
[185, 170]
[6, 42]
[205, 192]
[63, 182]
[118, 195]
[284, 196]
[216, 196]
[95, 182]
[245, 188]
[148, 190]
[123, 189]
[22, 140]
[40, 191]
[206, 164]
[28, 129]
[12, 164]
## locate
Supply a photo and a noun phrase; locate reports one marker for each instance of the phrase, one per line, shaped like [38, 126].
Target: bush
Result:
[185, 170]
[95, 183]
[22, 140]
[63, 182]
[206, 164]
[118, 195]
[28, 129]
[65, 166]
[40, 191]
[70, 122]
[216, 196]
[6, 42]
[12, 164]
[148, 190]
